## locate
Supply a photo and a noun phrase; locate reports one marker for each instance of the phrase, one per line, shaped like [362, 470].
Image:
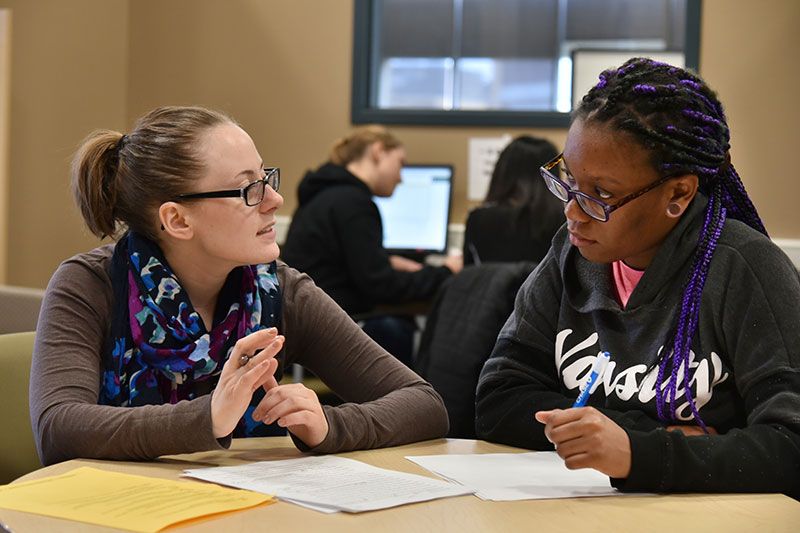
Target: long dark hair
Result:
[516, 178]
[678, 118]
[516, 181]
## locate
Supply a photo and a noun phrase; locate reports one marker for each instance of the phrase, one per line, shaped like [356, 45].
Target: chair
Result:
[460, 332]
[18, 453]
[19, 308]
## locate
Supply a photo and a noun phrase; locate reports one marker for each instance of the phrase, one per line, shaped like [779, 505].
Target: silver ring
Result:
[244, 359]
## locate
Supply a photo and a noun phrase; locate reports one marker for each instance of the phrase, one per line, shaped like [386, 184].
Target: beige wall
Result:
[283, 70]
[749, 55]
[5, 109]
[69, 75]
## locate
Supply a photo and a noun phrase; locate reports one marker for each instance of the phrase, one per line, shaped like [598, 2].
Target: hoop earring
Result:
[674, 209]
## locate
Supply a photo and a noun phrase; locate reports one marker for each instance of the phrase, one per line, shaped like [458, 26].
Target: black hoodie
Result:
[744, 366]
[336, 237]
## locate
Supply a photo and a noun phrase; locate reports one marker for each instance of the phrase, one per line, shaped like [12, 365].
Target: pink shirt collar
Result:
[625, 280]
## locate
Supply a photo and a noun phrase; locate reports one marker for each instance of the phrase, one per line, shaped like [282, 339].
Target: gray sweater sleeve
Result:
[65, 380]
[386, 403]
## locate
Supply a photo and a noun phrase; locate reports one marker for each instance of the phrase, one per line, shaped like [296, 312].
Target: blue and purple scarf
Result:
[160, 350]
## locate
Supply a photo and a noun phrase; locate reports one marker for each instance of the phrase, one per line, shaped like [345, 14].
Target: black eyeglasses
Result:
[597, 209]
[253, 194]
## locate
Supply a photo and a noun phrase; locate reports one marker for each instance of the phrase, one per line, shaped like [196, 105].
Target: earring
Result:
[163, 228]
[674, 209]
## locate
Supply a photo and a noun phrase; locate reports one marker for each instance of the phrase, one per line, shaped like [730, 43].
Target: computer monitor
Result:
[415, 217]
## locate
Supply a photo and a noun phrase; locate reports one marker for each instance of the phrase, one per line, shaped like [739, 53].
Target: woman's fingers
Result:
[241, 376]
[252, 369]
[297, 408]
[248, 346]
[259, 374]
[574, 423]
[258, 370]
[586, 438]
[543, 416]
[274, 404]
[560, 423]
[269, 351]
[297, 418]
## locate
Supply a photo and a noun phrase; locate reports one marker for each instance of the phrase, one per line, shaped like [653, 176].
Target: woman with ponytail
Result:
[336, 237]
[173, 339]
[665, 264]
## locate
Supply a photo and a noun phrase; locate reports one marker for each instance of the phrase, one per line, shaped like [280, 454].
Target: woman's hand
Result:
[296, 408]
[238, 382]
[455, 262]
[586, 438]
[404, 264]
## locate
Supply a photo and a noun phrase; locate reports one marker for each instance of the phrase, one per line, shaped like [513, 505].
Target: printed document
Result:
[331, 483]
[517, 476]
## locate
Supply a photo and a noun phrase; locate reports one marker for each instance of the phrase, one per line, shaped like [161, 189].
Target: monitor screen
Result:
[415, 217]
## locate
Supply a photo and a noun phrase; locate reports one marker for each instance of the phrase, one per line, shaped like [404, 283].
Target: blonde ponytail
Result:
[352, 147]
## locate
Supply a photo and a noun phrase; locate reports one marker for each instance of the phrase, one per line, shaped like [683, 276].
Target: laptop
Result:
[416, 216]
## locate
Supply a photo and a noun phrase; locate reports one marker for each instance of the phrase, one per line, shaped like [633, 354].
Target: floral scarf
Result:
[160, 351]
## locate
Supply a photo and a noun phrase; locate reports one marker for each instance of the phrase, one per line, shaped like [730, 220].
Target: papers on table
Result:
[517, 476]
[330, 483]
[123, 501]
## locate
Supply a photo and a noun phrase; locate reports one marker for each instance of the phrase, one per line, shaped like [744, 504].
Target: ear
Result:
[375, 151]
[174, 220]
[682, 190]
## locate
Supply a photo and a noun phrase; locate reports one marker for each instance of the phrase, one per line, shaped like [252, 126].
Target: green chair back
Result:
[18, 454]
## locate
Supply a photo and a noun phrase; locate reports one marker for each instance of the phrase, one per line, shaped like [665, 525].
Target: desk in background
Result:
[687, 512]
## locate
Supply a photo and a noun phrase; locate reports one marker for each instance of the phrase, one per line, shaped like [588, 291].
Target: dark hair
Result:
[679, 119]
[123, 179]
[352, 147]
[516, 178]
[516, 181]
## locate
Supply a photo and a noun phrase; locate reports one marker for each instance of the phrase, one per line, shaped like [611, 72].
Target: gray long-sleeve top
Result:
[386, 403]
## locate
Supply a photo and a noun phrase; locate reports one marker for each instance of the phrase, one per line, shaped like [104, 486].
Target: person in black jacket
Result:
[336, 237]
[665, 264]
[519, 216]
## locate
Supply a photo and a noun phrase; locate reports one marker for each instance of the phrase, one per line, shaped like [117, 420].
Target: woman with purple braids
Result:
[665, 264]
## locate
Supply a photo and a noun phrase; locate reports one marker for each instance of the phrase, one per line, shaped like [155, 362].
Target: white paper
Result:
[330, 483]
[482, 156]
[517, 476]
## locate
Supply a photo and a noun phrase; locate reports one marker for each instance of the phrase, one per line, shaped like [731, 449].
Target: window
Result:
[503, 62]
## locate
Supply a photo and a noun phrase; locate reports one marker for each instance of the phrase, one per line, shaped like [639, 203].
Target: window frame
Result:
[362, 111]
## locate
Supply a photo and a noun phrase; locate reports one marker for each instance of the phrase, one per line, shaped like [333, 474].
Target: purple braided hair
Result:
[678, 117]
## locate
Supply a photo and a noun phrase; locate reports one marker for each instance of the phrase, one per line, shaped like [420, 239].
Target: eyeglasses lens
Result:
[254, 192]
[551, 179]
[592, 208]
[552, 176]
[274, 179]
[556, 188]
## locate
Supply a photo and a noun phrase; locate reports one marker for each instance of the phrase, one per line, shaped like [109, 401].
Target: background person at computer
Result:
[664, 263]
[336, 235]
[172, 339]
[519, 216]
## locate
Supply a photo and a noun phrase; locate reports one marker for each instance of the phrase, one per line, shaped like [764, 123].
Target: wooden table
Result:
[676, 513]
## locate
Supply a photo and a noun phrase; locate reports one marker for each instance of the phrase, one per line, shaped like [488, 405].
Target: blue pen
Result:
[595, 375]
